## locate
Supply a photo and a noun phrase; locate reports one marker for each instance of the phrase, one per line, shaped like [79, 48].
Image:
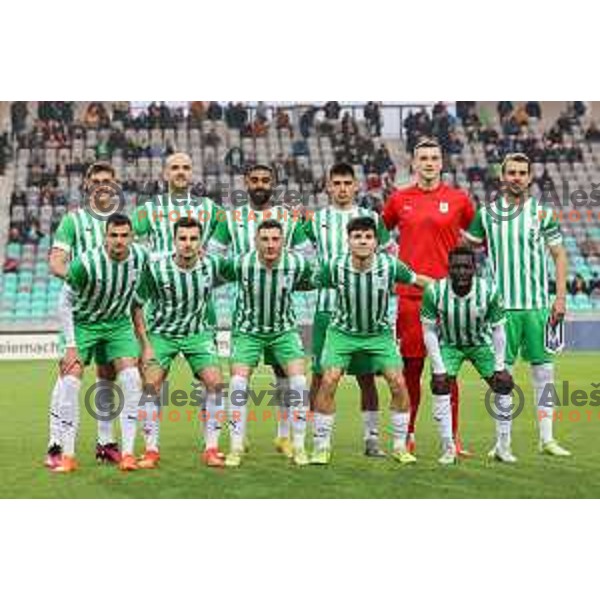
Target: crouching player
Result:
[264, 321]
[177, 289]
[364, 280]
[463, 319]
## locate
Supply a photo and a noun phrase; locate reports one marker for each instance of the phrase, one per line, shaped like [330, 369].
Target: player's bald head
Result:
[178, 172]
[178, 157]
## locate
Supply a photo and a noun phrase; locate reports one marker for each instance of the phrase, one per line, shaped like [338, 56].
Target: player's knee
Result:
[130, 379]
[330, 379]
[106, 372]
[212, 380]
[74, 369]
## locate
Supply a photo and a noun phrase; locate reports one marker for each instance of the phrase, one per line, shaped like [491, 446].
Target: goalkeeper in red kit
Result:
[429, 216]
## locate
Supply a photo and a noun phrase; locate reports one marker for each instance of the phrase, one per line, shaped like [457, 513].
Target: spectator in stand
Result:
[212, 139]
[372, 114]
[593, 133]
[18, 114]
[307, 121]
[579, 286]
[533, 109]
[32, 233]
[234, 161]
[214, 111]
[332, 110]
[282, 120]
[594, 283]
[579, 108]
[197, 112]
[464, 107]
[455, 145]
[505, 109]
[382, 160]
[278, 166]
[120, 111]
[520, 116]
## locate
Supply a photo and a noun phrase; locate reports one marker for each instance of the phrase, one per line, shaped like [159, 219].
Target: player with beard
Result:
[77, 232]
[236, 234]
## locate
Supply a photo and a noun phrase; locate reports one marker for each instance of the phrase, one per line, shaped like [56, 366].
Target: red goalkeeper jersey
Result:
[429, 223]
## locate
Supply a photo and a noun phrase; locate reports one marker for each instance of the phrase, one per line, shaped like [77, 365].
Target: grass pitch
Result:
[23, 437]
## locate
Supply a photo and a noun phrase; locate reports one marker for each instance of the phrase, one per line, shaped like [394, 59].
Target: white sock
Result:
[70, 412]
[212, 430]
[399, 430]
[442, 415]
[323, 429]
[238, 410]
[503, 421]
[56, 429]
[131, 383]
[370, 424]
[543, 375]
[151, 428]
[298, 408]
[283, 423]
[104, 405]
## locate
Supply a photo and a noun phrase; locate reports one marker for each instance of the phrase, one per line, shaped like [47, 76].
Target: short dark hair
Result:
[426, 142]
[461, 251]
[270, 224]
[342, 169]
[100, 166]
[259, 167]
[118, 220]
[518, 157]
[186, 223]
[362, 224]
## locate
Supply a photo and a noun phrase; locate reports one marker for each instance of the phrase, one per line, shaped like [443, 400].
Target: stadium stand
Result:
[45, 148]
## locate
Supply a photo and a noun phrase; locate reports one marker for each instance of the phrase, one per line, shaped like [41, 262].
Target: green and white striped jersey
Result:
[78, 232]
[155, 219]
[104, 287]
[264, 299]
[327, 230]
[175, 299]
[238, 230]
[363, 296]
[463, 320]
[517, 250]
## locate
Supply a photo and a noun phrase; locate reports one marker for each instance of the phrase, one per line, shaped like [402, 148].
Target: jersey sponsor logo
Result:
[444, 208]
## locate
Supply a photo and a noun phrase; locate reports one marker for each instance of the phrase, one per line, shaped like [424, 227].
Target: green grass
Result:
[23, 438]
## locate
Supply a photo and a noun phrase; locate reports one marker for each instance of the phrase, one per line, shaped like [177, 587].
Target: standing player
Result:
[517, 231]
[430, 217]
[359, 327]
[78, 232]
[467, 311]
[156, 218]
[238, 234]
[327, 229]
[97, 323]
[177, 288]
[264, 321]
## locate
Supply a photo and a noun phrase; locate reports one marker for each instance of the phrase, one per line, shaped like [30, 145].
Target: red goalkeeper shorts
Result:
[408, 327]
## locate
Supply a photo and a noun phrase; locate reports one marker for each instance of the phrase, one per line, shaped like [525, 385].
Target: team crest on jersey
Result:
[444, 208]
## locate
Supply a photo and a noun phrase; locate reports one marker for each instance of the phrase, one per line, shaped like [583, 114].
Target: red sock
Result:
[454, 406]
[413, 368]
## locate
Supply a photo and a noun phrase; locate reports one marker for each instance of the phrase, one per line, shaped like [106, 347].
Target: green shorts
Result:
[481, 357]
[199, 350]
[248, 348]
[525, 333]
[359, 364]
[104, 342]
[341, 348]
